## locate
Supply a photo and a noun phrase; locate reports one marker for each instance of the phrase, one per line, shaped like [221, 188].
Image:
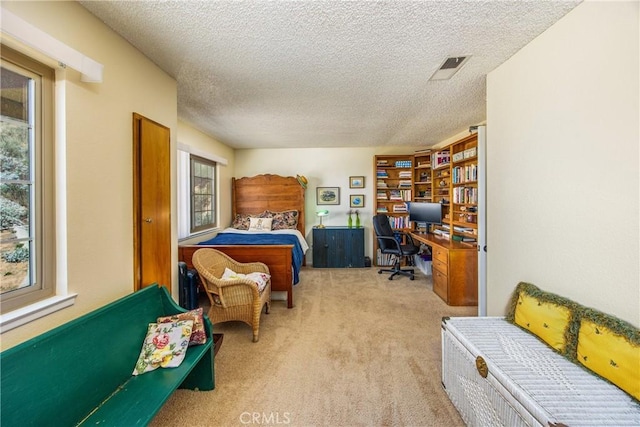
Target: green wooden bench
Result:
[80, 373]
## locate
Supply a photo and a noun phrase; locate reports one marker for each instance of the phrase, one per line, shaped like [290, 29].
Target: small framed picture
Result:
[356, 182]
[328, 195]
[356, 201]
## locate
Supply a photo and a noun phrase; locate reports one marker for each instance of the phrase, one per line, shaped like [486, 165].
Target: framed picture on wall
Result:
[356, 182]
[328, 195]
[356, 201]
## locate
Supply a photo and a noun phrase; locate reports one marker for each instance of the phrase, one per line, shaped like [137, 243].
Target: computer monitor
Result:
[426, 213]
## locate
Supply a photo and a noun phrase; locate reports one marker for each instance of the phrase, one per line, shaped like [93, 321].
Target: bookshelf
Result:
[394, 187]
[441, 188]
[422, 191]
[464, 189]
[447, 175]
[453, 172]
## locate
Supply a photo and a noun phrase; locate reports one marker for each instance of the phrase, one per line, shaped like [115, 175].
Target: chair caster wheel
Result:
[379, 272]
[411, 278]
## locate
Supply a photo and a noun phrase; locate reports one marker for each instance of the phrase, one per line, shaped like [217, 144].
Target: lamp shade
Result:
[321, 213]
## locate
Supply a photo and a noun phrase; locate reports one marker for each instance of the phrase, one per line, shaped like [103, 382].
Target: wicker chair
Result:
[236, 299]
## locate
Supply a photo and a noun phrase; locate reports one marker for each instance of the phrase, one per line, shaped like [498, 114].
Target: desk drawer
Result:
[440, 254]
[441, 285]
[440, 266]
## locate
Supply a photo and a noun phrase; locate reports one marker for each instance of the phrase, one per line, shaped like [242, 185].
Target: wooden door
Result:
[152, 203]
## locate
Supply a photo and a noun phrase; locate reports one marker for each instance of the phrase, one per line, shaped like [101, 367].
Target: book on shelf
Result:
[395, 195]
[382, 163]
[400, 208]
[399, 221]
[382, 209]
[468, 195]
[465, 239]
[463, 229]
[440, 159]
[384, 259]
[403, 163]
[461, 174]
[398, 194]
[441, 233]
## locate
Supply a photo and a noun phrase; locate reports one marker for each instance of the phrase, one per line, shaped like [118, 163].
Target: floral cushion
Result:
[261, 279]
[241, 222]
[165, 346]
[284, 220]
[198, 334]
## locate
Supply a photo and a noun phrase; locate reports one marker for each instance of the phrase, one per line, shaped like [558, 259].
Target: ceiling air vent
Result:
[449, 67]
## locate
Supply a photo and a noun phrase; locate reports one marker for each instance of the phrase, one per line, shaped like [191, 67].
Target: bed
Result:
[254, 195]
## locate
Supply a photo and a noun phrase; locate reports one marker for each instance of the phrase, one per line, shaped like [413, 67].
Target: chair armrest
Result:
[251, 267]
[392, 239]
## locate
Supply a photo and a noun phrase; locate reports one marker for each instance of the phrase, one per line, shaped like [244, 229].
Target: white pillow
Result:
[261, 279]
[260, 224]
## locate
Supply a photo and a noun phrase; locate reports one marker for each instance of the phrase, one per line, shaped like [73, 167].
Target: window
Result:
[202, 190]
[27, 221]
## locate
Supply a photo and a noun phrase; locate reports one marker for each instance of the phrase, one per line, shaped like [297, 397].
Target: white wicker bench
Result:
[526, 383]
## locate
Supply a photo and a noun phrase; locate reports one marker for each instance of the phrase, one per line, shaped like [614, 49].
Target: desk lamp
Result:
[321, 214]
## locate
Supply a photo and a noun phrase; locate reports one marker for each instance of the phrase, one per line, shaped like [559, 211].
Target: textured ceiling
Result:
[275, 74]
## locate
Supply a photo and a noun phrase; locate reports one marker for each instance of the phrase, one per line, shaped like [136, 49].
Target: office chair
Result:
[388, 244]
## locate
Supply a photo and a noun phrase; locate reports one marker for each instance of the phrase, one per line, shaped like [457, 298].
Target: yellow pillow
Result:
[546, 320]
[610, 355]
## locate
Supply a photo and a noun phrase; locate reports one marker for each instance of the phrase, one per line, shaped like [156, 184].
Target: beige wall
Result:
[99, 155]
[563, 166]
[323, 167]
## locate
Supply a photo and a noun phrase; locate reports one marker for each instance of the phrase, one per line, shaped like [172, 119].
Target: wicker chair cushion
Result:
[261, 279]
[164, 346]
[198, 334]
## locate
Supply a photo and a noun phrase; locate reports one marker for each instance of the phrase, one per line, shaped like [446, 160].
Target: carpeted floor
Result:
[356, 350]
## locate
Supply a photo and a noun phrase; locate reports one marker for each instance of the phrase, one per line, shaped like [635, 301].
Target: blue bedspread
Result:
[263, 239]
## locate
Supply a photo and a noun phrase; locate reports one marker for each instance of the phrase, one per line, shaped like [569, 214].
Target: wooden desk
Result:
[455, 269]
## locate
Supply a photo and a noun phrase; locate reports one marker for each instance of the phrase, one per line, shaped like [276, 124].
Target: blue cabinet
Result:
[338, 247]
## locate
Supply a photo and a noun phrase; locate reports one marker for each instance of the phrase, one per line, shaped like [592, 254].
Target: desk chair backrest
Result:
[383, 230]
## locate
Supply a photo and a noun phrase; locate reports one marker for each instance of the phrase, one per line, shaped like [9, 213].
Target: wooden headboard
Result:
[268, 192]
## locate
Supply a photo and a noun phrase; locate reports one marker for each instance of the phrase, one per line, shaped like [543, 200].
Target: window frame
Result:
[193, 159]
[42, 205]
